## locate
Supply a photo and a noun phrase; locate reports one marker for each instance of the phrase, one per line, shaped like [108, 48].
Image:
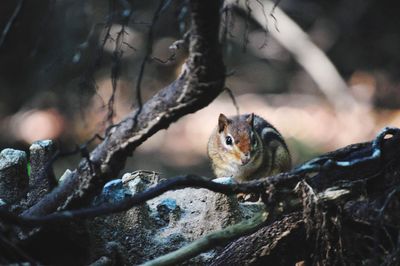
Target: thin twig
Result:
[387, 201]
[116, 59]
[272, 14]
[88, 81]
[126, 204]
[11, 22]
[298, 43]
[247, 26]
[257, 186]
[174, 47]
[265, 28]
[8, 245]
[192, 91]
[224, 24]
[210, 241]
[43, 28]
[149, 51]
[230, 93]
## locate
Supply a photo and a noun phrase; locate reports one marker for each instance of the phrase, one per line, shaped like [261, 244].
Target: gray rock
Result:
[119, 189]
[41, 179]
[169, 221]
[135, 183]
[168, 211]
[13, 174]
[114, 191]
[131, 229]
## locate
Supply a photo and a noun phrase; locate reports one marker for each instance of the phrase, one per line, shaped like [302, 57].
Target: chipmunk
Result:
[247, 147]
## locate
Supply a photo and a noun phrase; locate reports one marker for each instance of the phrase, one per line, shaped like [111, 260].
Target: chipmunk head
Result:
[237, 137]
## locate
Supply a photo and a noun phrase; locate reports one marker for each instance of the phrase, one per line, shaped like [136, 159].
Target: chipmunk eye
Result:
[228, 140]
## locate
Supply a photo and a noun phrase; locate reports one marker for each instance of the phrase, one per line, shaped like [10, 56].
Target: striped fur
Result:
[257, 149]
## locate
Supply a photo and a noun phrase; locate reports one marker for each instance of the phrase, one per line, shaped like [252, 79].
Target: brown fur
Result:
[271, 155]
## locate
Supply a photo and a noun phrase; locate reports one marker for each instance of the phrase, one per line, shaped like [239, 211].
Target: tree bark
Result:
[201, 80]
[350, 213]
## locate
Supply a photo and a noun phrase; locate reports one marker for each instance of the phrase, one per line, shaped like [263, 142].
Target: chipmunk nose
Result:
[245, 158]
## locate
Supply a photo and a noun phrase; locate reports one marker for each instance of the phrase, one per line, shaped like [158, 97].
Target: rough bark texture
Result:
[13, 175]
[269, 245]
[41, 179]
[350, 214]
[340, 208]
[201, 80]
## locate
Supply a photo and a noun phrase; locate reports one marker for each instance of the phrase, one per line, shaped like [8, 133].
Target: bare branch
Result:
[247, 25]
[324, 162]
[170, 184]
[148, 53]
[230, 93]
[200, 82]
[265, 27]
[262, 186]
[210, 241]
[266, 246]
[307, 54]
[9, 247]
[10, 22]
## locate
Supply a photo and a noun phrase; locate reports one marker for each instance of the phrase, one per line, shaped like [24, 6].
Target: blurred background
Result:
[325, 73]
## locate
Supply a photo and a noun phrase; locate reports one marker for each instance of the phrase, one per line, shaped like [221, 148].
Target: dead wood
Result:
[346, 215]
[318, 212]
[276, 244]
[339, 208]
[201, 80]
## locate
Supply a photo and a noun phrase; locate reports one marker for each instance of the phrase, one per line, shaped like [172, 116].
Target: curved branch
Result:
[355, 156]
[201, 80]
[307, 54]
[170, 184]
[210, 241]
[279, 243]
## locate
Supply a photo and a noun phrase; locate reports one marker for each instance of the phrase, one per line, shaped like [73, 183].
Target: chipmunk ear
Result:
[223, 122]
[250, 119]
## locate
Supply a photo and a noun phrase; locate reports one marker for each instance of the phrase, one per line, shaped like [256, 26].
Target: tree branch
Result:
[210, 241]
[387, 148]
[275, 244]
[201, 80]
[306, 53]
[10, 22]
[140, 198]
